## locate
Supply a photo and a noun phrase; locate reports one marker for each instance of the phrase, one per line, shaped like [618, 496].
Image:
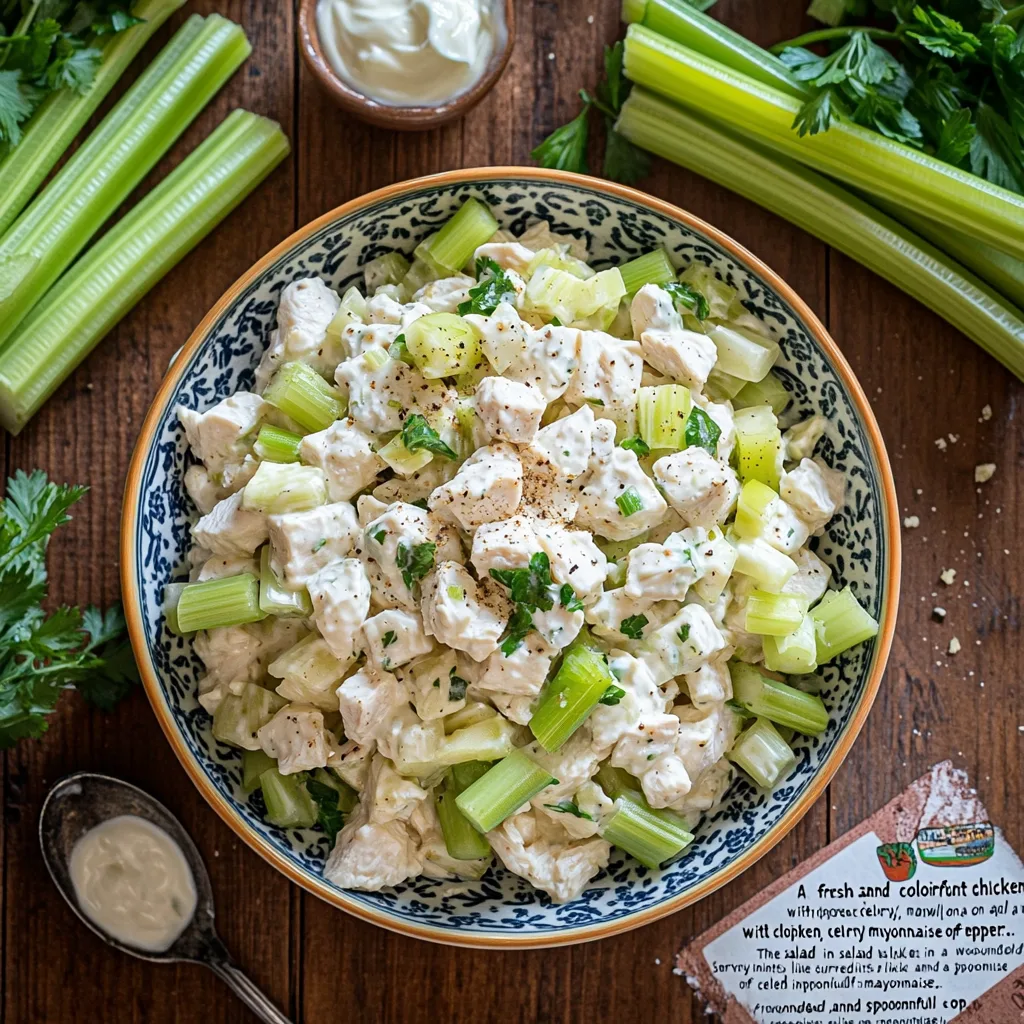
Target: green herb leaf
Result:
[566, 147]
[493, 288]
[684, 632]
[328, 811]
[530, 587]
[569, 601]
[612, 696]
[379, 535]
[702, 431]
[569, 807]
[415, 561]
[629, 502]
[637, 445]
[633, 626]
[456, 686]
[996, 152]
[955, 138]
[941, 34]
[417, 433]
[519, 625]
[389, 638]
[689, 299]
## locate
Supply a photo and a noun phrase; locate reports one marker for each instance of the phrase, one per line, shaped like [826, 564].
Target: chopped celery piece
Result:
[130, 258]
[309, 672]
[471, 714]
[254, 764]
[763, 754]
[48, 236]
[453, 246]
[839, 622]
[794, 653]
[560, 259]
[741, 353]
[509, 784]
[289, 805]
[301, 393]
[277, 445]
[652, 268]
[442, 345]
[574, 692]
[769, 391]
[401, 460]
[758, 445]
[778, 702]
[722, 298]
[230, 601]
[618, 550]
[390, 268]
[238, 717]
[756, 558]
[616, 781]
[61, 116]
[754, 506]
[465, 416]
[836, 216]
[774, 614]
[723, 386]
[555, 294]
[683, 21]
[375, 358]
[601, 294]
[650, 837]
[275, 598]
[849, 152]
[351, 311]
[629, 502]
[420, 273]
[661, 415]
[461, 839]
[276, 488]
[348, 798]
[172, 593]
[488, 739]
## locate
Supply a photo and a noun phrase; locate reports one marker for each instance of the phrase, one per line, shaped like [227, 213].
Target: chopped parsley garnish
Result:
[415, 561]
[520, 623]
[530, 587]
[702, 431]
[328, 807]
[636, 444]
[493, 287]
[389, 638]
[554, 322]
[417, 433]
[735, 705]
[684, 633]
[595, 401]
[633, 626]
[379, 535]
[569, 807]
[689, 299]
[319, 544]
[421, 503]
[400, 352]
[629, 502]
[612, 696]
[456, 686]
[570, 602]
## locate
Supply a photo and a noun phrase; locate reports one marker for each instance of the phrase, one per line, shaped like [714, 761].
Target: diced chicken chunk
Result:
[394, 637]
[508, 255]
[230, 529]
[699, 487]
[372, 856]
[402, 544]
[654, 735]
[510, 411]
[575, 558]
[521, 673]
[609, 479]
[306, 309]
[445, 295]
[710, 684]
[664, 572]
[810, 580]
[367, 699]
[221, 434]
[340, 593]
[296, 737]
[685, 356]
[488, 487]
[705, 734]
[346, 456]
[610, 722]
[607, 375]
[802, 438]
[508, 544]
[547, 361]
[454, 612]
[302, 543]
[815, 491]
[566, 442]
[682, 645]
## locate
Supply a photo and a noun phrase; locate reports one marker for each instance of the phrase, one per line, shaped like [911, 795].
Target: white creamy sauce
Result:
[133, 881]
[407, 52]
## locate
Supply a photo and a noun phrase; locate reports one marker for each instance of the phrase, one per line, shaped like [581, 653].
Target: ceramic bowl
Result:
[409, 118]
[861, 545]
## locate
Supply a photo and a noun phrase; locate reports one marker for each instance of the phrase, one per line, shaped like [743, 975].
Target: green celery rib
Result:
[855, 155]
[61, 116]
[116, 272]
[833, 214]
[65, 215]
[681, 22]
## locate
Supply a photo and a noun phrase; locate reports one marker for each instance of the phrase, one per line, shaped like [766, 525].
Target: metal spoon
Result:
[83, 800]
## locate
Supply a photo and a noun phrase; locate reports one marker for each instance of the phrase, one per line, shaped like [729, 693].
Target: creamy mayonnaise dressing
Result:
[407, 52]
[133, 881]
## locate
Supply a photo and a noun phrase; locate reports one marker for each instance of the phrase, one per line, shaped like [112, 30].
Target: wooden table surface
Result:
[926, 382]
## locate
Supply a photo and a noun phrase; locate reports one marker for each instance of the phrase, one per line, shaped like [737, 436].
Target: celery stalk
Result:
[763, 754]
[794, 653]
[36, 256]
[461, 839]
[301, 393]
[512, 782]
[289, 805]
[680, 21]
[254, 764]
[277, 445]
[123, 265]
[62, 115]
[769, 391]
[855, 155]
[453, 246]
[280, 487]
[778, 702]
[229, 601]
[661, 415]
[839, 621]
[240, 716]
[652, 268]
[833, 214]
[578, 685]
[644, 834]
[774, 614]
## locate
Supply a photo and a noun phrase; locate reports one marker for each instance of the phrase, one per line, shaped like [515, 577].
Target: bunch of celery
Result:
[726, 108]
[51, 317]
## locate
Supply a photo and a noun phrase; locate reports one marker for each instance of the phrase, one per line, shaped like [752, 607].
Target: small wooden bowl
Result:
[409, 119]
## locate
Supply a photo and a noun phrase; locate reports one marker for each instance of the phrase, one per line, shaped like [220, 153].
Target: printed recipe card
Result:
[916, 916]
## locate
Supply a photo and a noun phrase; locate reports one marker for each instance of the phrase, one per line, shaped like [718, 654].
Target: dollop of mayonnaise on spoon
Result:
[132, 880]
[407, 52]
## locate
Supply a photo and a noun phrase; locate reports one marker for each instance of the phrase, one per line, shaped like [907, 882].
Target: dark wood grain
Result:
[316, 962]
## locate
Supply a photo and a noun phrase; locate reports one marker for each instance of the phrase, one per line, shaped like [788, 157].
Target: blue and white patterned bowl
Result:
[861, 545]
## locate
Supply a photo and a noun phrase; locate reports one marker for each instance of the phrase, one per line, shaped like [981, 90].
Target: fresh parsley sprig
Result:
[566, 147]
[41, 655]
[417, 433]
[493, 287]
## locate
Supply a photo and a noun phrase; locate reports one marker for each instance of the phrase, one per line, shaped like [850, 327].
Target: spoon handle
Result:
[239, 983]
